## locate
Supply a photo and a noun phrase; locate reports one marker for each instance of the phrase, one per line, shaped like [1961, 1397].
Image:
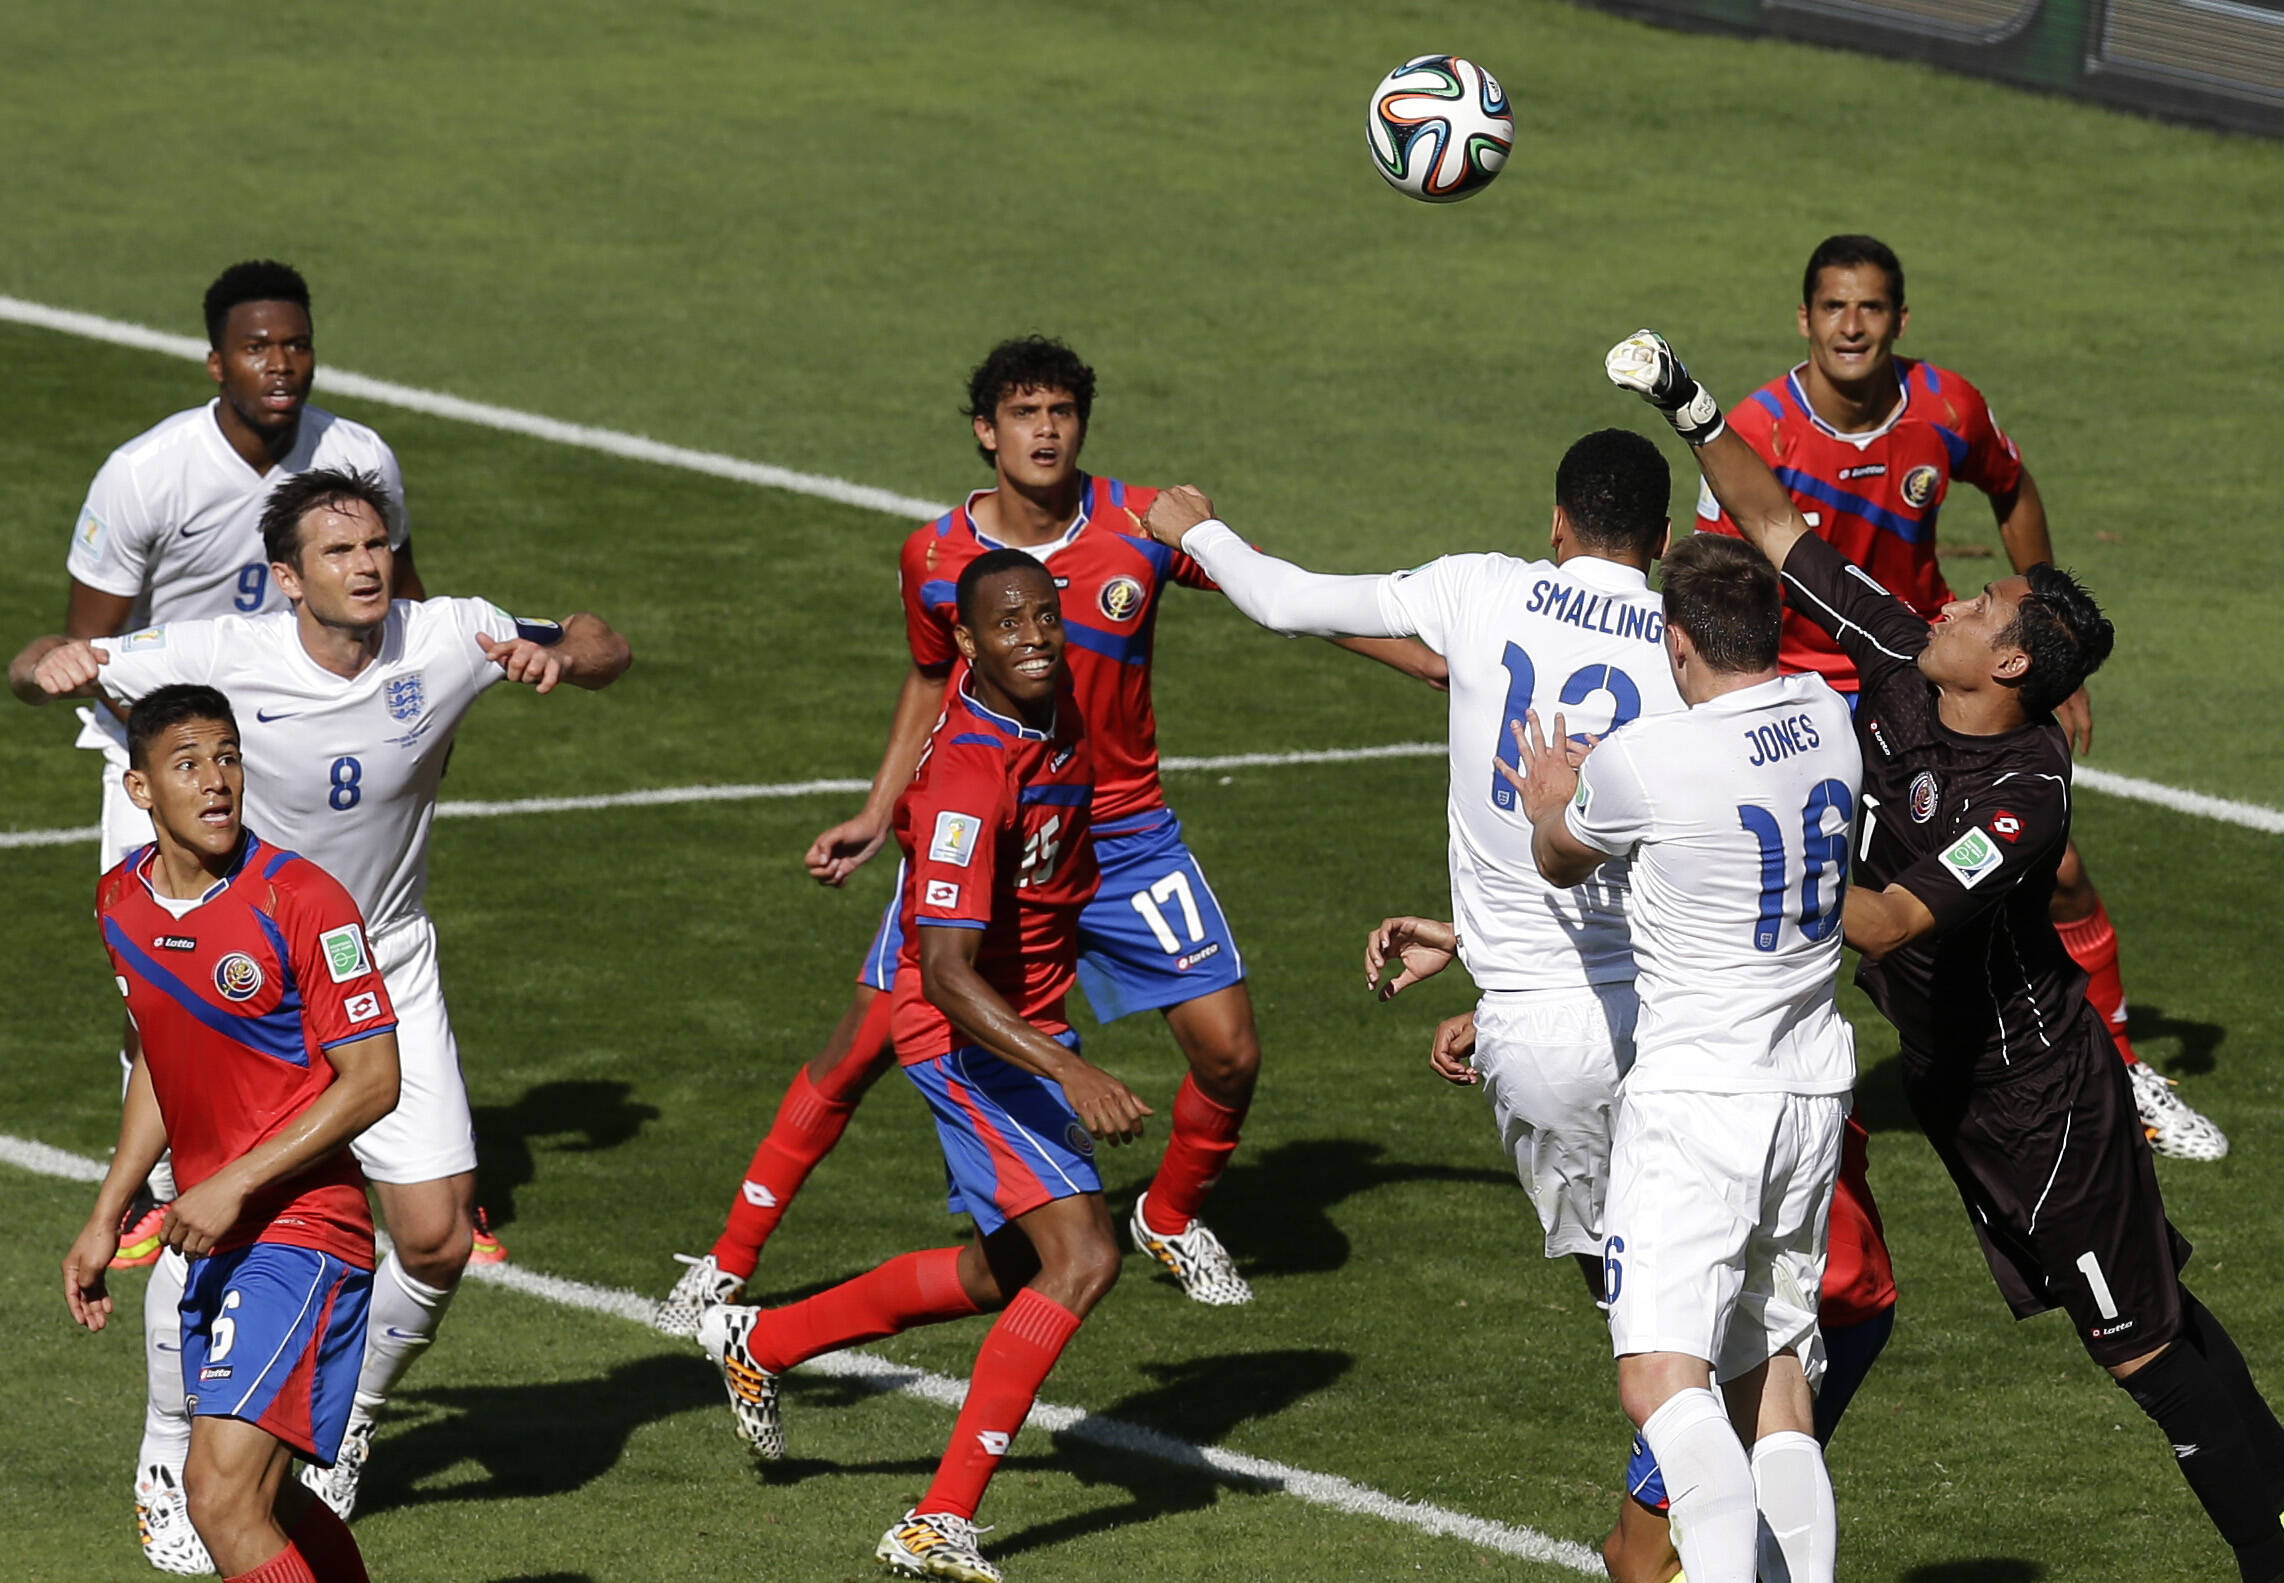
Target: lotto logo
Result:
[994, 1443]
[363, 1008]
[942, 893]
[759, 1196]
[2006, 826]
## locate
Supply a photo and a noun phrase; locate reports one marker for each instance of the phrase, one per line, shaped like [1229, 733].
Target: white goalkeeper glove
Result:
[1644, 364]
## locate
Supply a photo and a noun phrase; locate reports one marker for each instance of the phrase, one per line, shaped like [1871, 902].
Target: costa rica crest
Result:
[1919, 485]
[406, 697]
[1121, 598]
[238, 976]
[1923, 795]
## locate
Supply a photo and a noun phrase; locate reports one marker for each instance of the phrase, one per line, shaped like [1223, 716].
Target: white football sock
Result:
[166, 1419]
[398, 1328]
[1800, 1534]
[1708, 1486]
[161, 1179]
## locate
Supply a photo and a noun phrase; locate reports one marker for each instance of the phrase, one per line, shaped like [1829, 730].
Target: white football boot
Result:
[1195, 1257]
[336, 1486]
[2174, 1128]
[935, 1545]
[162, 1522]
[722, 1331]
[701, 1286]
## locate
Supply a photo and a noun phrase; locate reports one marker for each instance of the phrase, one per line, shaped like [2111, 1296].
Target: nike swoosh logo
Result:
[395, 1334]
[192, 533]
[163, 1347]
[265, 717]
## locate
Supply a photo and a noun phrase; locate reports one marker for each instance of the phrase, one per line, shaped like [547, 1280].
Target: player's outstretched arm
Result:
[1644, 364]
[1112, 1111]
[142, 1139]
[588, 654]
[1877, 922]
[55, 667]
[846, 847]
[363, 1090]
[1277, 594]
[1420, 948]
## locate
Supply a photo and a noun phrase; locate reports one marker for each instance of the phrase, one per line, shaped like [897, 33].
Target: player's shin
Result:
[1708, 1486]
[907, 1292]
[1203, 1137]
[398, 1329]
[166, 1416]
[1793, 1489]
[2187, 1398]
[1013, 1363]
[326, 1545]
[808, 1124]
[2202, 1329]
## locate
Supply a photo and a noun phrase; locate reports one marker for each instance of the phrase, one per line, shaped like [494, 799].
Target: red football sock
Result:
[1204, 1136]
[810, 1120]
[2092, 944]
[287, 1566]
[324, 1542]
[903, 1294]
[1014, 1362]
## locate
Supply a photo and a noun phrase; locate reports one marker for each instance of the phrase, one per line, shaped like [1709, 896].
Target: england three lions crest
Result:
[406, 697]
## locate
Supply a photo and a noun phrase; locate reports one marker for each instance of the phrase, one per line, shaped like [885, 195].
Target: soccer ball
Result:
[1439, 128]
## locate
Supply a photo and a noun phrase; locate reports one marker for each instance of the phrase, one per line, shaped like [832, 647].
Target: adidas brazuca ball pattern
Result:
[1439, 128]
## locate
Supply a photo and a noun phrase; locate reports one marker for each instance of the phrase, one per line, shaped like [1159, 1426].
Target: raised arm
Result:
[587, 654]
[1277, 594]
[948, 977]
[1644, 364]
[55, 666]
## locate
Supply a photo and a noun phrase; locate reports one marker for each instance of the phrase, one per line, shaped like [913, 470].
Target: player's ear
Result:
[1558, 529]
[214, 364]
[986, 435]
[965, 640]
[1902, 322]
[138, 787]
[1664, 543]
[1801, 314]
[2013, 665]
[288, 578]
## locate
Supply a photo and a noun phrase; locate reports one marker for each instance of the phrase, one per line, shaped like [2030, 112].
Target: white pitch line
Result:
[639, 448]
[881, 1374]
[507, 420]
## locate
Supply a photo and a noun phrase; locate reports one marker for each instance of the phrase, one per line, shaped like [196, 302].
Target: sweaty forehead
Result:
[342, 519]
[275, 319]
[1014, 588]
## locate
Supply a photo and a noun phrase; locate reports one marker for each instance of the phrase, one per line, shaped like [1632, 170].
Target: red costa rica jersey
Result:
[1874, 496]
[1109, 575]
[235, 1002]
[994, 829]
[1859, 1279]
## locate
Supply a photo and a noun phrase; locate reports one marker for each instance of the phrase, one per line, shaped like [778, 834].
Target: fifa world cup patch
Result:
[1972, 857]
[345, 956]
[87, 534]
[942, 893]
[144, 641]
[954, 840]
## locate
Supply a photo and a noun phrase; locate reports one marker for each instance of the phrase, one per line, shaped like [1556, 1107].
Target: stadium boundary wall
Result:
[2220, 62]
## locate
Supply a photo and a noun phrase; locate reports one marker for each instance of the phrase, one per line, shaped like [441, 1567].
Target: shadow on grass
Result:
[2197, 1040]
[543, 1439]
[1272, 1209]
[1145, 1444]
[589, 1115]
[1983, 1569]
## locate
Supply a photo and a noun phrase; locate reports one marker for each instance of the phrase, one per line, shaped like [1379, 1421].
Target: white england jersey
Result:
[1737, 813]
[1583, 639]
[343, 771]
[173, 520]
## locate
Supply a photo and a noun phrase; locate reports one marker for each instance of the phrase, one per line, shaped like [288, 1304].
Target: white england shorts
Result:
[1551, 1061]
[1716, 1224]
[430, 1134]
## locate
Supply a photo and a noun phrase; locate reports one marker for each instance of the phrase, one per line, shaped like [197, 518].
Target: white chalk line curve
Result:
[880, 1374]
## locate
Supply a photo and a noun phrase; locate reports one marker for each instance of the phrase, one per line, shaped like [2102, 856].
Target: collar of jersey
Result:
[1038, 551]
[1757, 696]
[247, 842]
[1864, 437]
[1013, 728]
[1610, 576]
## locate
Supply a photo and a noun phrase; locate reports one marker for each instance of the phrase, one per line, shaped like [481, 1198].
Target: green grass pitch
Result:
[785, 235]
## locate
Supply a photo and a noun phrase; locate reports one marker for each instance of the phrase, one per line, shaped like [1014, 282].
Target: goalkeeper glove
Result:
[1644, 364]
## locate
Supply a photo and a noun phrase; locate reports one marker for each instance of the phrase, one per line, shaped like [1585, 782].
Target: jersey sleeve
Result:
[1750, 422]
[474, 616]
[1991, 462]
[111, 542]
[1877, 631]
[1611, 810]
[142, 662]
[1181, 568]
[958, 812]
[1431, 597]
[2026, 823]
[342, 996]
[927, 629]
